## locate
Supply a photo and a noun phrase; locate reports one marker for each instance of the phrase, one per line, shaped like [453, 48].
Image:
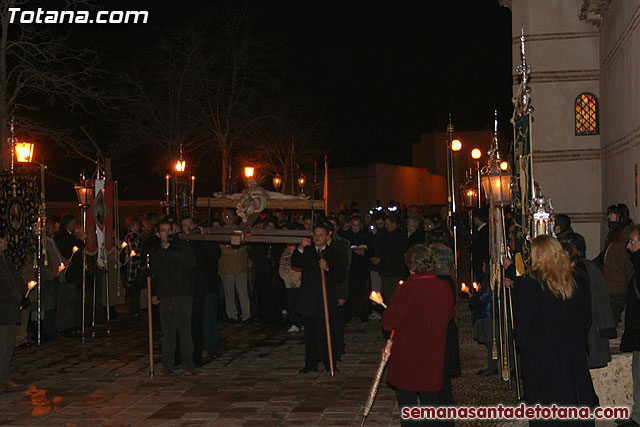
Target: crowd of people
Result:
[566, 308]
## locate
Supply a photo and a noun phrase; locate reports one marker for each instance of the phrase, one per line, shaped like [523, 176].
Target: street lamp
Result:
[456, 145]
[469, 193]
[181, 164]
[476, 154]
[24, 152]
[277, 181]
[302, 180]
[84, 193]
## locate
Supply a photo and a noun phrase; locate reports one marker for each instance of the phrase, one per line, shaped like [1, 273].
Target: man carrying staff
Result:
[311, 258]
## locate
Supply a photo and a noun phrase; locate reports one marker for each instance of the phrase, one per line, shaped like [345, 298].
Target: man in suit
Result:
[311, 258]
[480, 243]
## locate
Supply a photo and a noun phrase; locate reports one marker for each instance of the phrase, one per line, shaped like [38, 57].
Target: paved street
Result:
[254, 382]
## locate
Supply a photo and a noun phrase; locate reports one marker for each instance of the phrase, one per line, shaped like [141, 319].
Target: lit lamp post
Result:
[84, 193]
[469, 196]
[302, 180]
[24, 152]
[277, 182]
[496, 183]
[452, 145]
[476, 154]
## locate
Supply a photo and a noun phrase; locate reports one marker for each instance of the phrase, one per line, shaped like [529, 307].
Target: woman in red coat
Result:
[419, 312]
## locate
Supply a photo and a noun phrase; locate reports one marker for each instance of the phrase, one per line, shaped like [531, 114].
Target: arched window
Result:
[586, 110]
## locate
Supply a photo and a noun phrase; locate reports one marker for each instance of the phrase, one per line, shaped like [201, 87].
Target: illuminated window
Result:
[587, 114]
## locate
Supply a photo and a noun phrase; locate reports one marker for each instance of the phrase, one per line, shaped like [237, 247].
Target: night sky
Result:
[382, 72]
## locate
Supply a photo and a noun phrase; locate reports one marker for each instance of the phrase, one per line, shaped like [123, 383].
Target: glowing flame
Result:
[75, 249]
[377, 298]
[456, 145]
[476, 287]
[401, 282]
[132, 254]
[61, 267]
[464, 288]
[124, 245]
[32, 284]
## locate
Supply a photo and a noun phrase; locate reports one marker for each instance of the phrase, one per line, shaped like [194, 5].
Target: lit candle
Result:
[133, 253]
[61, 267]
[32, 284]
[75, 249]
[168, 177]
[124, 245]
[476, 287]
[464, 288]
[377, 298]
[401, 282]
[541, 228]
[193, 185]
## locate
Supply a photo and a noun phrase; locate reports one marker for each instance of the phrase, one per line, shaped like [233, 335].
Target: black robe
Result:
[309, 301]
[550, 334]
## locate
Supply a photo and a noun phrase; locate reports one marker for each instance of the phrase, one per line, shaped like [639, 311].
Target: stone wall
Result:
[620, 108]
[563, 52]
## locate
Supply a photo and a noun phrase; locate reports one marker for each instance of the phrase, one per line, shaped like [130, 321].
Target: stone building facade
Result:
[585, 85]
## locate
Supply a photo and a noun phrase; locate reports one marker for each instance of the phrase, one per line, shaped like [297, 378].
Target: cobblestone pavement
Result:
[254, 382]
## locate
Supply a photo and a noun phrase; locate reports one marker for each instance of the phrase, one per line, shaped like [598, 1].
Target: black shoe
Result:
[486, 373]
[307, 369]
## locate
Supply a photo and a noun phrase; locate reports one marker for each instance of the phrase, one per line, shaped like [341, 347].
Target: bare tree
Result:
[237, 80]
[290, 143]
[39, 69]
[160, 110]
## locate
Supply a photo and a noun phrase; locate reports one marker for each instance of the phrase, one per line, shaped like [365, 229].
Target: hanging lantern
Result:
[249, 171]
[302, 180]
[469, 194]
[84, 193]
[496, 184]
[24, 152]
[277, 181]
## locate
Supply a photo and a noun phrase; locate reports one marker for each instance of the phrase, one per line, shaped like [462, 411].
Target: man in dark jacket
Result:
[392, 268]
[358, 304]
[172, 266]
[480, 243]
[204, 330]
[631, 337]
[69, 311]
[12, 289]
[311, 258]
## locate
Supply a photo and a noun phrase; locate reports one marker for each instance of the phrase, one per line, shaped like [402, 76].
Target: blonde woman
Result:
[549, 330]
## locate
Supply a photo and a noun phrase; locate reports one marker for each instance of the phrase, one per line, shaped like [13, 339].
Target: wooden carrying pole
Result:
[150, 319]
[326, 319]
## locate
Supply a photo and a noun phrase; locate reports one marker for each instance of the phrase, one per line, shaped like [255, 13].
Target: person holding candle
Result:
[12, 291]
[69, 304]
[419, 312]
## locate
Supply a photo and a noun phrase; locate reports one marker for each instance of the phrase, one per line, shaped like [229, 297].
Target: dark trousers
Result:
[389, 285]
[359, 294]
[618, 303]
[175, 316]
[7, 344]
[197, 329]
[408, 398]
[315, 341]
[337, 324]
[292, 296]
[65, 306]
[210, 323]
